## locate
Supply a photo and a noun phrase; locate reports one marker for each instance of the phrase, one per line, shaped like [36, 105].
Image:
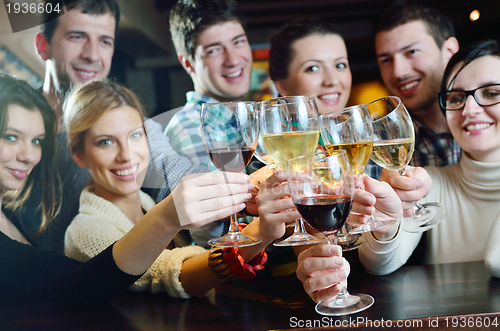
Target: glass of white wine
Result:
[351, 129]
[393, 145]
[289, 128]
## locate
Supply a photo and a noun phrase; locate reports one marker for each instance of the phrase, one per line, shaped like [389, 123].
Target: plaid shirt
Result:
[184, 133]
[431, 148]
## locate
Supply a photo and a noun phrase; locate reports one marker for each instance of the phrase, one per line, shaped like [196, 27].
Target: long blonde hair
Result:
[86, 104]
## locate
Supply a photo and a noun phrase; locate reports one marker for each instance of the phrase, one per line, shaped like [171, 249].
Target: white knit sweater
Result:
[100, 223]
[470, 192]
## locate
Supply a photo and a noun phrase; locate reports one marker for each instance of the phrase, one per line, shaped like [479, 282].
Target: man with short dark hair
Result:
[211, 44]
[78, 47]
[413, 44]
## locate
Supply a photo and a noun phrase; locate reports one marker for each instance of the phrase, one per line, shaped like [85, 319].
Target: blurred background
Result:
[146, 62]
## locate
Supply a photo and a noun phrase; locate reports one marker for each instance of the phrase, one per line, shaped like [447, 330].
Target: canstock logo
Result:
[26, 14]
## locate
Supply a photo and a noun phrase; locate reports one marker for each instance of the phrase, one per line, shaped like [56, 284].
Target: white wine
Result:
[393, 154]
[358, 153]
[284, 146]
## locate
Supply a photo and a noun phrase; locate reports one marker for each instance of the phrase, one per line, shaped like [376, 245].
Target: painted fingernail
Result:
[342, 274]
[250, 187]
[248, 196]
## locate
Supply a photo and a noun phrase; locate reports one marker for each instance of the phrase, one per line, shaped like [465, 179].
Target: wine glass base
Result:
[350, 244]
[299, 239]
[235, 239]
[434, 214]
[350, 305]
[372, 226]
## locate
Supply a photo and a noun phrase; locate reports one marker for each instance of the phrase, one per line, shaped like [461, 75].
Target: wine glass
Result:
[263, 156]
[229, 132]
[351, 129]
[322, 188]
[289, 128]
[393, 144]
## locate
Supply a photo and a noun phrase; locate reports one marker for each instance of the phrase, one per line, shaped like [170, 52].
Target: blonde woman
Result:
[107, 136]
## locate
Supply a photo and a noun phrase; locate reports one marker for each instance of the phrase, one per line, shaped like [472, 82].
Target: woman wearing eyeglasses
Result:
[470, 189]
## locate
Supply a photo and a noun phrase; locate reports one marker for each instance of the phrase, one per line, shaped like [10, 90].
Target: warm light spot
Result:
[474, 15]
[365, 92]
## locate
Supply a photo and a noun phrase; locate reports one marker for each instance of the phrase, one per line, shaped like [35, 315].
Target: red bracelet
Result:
[236, 264]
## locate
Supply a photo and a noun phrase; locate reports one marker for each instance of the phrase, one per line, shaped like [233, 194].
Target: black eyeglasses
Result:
[487, 95]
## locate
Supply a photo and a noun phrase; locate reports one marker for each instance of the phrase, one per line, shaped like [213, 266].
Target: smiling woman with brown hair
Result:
[309, 57]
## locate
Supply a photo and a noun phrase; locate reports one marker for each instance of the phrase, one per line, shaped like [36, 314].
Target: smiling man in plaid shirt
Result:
[414, 43]
[212, 46]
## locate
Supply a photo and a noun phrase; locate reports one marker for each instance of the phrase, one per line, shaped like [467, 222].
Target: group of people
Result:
[80, 150]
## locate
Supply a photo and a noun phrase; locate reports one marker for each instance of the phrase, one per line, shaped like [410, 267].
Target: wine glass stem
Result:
[360, 184]
[299, 226]
[233, 226]
[344, 294]
[419, 210]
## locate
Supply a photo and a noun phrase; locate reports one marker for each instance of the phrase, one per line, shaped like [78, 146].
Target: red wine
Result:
[325, 213]
[233, 159]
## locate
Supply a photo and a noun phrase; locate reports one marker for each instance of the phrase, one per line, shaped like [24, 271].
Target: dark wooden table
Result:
[459, 296]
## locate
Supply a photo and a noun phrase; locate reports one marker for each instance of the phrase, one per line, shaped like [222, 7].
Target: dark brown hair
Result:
[439, 26]
[90, 7]
[465, 56]
[189, 18]
[281, 52]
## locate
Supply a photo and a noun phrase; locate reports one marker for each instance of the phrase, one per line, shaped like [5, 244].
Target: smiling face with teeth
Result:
[319, 67]
[116, 153]
[80, 50]
[222, 62]
[476, 128]
[412, 65]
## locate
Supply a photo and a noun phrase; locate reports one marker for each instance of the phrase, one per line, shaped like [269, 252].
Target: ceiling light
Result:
[474, 15]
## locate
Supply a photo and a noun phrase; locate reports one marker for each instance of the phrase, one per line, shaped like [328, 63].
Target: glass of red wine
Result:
[230, 132]
[322, 188]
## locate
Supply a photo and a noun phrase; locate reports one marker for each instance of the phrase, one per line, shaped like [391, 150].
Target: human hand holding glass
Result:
[230, 150]
[322, 188]
[393, 144]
